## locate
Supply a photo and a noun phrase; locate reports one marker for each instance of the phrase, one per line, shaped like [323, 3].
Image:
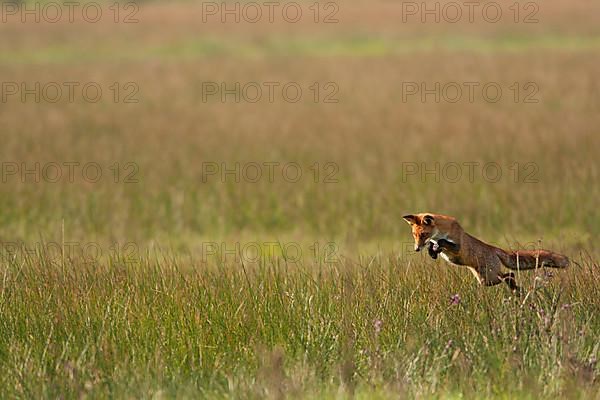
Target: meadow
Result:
[178, 237]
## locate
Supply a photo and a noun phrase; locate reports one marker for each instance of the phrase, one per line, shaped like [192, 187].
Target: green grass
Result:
[376, 326]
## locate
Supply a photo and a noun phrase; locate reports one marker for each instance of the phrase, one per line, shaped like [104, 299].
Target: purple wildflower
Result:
[377, 325]
[454, 299]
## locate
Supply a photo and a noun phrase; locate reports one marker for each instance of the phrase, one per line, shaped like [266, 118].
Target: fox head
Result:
[423, 228]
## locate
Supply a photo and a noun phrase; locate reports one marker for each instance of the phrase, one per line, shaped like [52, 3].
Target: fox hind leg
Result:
[509, 279]
[493, 276]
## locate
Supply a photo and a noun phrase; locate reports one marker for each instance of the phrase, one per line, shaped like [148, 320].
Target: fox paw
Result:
[433, 250]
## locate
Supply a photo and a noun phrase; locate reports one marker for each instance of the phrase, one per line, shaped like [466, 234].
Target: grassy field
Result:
[143, 257]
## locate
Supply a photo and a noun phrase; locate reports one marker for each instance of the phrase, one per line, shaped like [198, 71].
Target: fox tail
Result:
[531, 259]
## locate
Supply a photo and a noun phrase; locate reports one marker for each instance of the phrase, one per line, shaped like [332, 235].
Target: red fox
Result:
[445, 236]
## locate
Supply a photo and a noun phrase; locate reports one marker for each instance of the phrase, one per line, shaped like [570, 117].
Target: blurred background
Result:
[165, 140]
[175, 123]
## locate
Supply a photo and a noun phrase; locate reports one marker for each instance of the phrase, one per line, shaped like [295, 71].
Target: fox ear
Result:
[410, 219]
[428, 220]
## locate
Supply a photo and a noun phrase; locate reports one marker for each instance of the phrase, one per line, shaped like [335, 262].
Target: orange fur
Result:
[484, 260]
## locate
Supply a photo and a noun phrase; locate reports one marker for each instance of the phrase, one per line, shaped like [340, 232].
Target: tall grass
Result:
[167, 326]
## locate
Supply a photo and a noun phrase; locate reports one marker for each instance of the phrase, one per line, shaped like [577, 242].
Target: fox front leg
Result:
[433, 249]
[436, 247]
[444, 244]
